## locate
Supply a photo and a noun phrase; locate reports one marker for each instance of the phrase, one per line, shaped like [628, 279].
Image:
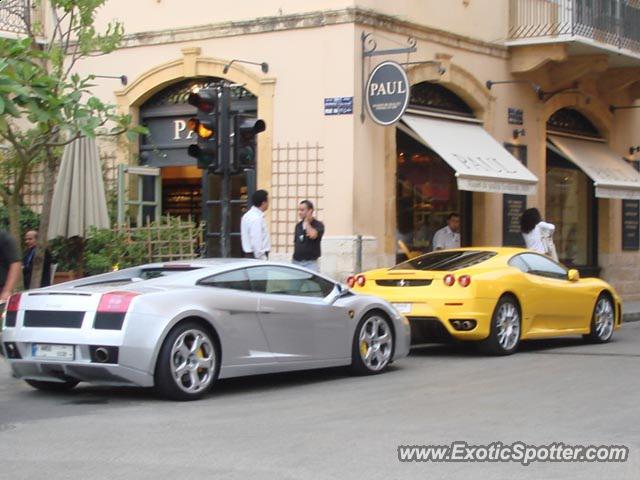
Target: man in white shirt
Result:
[253, 228]
[448, 236]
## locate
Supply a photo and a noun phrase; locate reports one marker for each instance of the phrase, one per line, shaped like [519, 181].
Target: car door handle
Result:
[266, 310]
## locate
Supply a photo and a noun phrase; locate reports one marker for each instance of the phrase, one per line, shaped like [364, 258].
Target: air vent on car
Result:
[404, 282]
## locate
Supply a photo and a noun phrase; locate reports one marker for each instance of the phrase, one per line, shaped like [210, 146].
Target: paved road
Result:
[328, 425]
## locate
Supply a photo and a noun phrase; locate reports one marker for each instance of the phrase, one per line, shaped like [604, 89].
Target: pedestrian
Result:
[9, 265]
[31, 242]
[307, 237]
[538, 235]
[449, 235]
[253, 228]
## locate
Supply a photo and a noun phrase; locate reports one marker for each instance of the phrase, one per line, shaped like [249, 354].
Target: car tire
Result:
[53, 386]
[506, 327]
[602, 320]
[373, 344]
[188, 363]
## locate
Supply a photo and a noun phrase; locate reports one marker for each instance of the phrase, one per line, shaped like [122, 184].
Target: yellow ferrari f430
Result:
[494, 296]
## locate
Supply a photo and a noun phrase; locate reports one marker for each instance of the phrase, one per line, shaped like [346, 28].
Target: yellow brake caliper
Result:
[363, 348]
[200, 355]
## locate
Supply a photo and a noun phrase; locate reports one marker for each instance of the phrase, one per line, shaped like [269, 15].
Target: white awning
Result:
[480, 162]
[612, 176]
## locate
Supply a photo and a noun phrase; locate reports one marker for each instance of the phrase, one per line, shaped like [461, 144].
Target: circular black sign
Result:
[387, 93]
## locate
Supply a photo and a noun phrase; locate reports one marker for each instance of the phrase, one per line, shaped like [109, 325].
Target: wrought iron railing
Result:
[18, 16]
[612, 22]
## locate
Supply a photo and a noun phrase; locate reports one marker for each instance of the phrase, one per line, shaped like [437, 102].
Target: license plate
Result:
[50, 351]
[403, 307]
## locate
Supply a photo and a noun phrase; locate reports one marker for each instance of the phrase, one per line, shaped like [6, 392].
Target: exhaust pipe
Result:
[102, 355]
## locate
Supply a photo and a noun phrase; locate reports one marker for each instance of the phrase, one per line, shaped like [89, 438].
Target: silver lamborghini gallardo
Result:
[181, 326]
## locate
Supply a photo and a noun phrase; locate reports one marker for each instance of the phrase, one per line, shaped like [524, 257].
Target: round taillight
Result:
[449, 280]
[351, 281]
[464, 280]
[361, 280]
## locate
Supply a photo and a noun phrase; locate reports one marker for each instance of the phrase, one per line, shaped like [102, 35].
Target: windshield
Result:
[446, 260]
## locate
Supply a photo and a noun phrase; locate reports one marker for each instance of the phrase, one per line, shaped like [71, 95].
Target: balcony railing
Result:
[17, 17]
[615, 23]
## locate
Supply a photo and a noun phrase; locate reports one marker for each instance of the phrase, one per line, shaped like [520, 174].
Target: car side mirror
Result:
[338, 292]
[573, 275]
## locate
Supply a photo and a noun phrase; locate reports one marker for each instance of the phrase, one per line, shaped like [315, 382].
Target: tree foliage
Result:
[45, 103]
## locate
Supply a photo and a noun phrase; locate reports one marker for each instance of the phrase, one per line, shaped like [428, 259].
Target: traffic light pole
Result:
[225, 158]
[218, 157]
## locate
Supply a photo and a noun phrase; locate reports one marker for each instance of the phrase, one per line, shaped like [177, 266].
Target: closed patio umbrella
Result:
[79, 200]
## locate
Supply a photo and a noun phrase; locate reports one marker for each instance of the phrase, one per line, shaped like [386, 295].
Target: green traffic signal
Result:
[244, 151]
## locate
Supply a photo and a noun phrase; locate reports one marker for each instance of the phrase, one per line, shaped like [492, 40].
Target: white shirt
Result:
[533, 239]
[254, 233]
[446, 238]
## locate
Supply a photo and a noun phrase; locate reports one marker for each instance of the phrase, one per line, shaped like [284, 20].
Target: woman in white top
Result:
[534, 230]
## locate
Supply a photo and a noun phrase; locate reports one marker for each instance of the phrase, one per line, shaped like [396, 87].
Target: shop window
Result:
[426, 194]
[570, 197]
[570, 205]
[427, 190]
[139, 194]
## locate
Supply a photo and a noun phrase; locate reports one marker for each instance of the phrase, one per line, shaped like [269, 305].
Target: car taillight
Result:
[464, 280]
[351, 281]
[361, 280]
[449, 280]
[116, 302]
[11, 314]
[14, 302]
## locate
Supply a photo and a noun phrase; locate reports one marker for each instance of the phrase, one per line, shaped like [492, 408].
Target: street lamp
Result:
[536, 88]
[613, 108]
[264, 66]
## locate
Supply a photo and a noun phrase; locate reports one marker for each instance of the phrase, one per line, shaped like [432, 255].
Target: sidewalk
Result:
[631, 312]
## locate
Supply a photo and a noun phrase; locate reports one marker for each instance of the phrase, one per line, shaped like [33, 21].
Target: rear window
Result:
[446, 260]
[149, 273]
[122, 278]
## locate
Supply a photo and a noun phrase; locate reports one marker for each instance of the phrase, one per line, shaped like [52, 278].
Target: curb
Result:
[631, 317]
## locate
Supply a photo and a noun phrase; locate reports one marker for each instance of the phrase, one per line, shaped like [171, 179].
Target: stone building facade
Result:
[383, 189]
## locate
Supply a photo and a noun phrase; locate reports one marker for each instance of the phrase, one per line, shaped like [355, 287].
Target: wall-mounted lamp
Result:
[123, 78]
[633, 150]
[519, 132]
[536, 88]
[613, 108]
[264, 66]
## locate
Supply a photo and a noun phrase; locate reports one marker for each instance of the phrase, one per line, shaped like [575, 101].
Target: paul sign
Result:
[387, 94]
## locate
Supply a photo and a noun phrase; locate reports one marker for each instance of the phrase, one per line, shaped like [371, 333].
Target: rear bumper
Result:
[100, 374]
[432, 322]
[130, 361]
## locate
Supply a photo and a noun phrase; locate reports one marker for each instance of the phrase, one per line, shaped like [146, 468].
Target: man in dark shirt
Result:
[31, 241]
[9, 265]
[308, 236]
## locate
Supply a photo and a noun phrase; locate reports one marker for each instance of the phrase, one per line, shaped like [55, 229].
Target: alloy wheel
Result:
[508, 326]
[375, 343]
[604, 317]
[193, 361]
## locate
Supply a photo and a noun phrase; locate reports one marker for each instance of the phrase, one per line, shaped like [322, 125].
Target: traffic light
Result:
[206, 129]
[245, 129]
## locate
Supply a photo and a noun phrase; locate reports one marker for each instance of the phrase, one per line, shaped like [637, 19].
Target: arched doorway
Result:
[165, 114]
[571, 204]
[426, 189]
